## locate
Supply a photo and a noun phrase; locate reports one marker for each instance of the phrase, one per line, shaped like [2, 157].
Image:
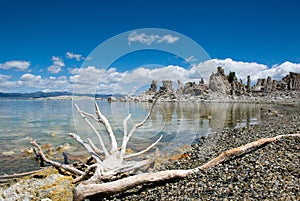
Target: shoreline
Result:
[248, 177]
[292, 97]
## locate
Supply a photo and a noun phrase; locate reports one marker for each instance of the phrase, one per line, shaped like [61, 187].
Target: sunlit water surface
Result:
[50, 121]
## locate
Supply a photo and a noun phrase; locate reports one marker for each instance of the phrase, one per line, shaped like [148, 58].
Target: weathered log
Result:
[85, 190]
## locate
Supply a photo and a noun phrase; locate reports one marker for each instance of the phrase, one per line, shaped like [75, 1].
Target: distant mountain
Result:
[40, 94]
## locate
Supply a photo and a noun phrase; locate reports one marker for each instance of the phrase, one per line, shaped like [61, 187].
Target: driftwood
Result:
[110, 163]
[86, 190]
[6, 178]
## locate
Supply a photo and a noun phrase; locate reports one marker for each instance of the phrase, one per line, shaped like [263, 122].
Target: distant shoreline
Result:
[216, 98]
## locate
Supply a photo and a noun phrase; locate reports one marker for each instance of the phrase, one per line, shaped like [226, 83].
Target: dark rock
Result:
[167, 87]
[153, 87]
[248, 84]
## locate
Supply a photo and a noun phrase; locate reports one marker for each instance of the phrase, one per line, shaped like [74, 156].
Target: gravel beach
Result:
[269, 173]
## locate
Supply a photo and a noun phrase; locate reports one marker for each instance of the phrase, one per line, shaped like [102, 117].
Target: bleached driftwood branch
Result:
[114, 161]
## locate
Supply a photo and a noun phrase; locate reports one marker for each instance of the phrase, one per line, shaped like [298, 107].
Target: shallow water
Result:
[50, 121]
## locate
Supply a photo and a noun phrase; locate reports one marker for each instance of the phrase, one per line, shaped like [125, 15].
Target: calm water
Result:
[50, 121]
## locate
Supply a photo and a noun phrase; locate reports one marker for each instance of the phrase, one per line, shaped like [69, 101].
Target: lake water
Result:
[50, 121]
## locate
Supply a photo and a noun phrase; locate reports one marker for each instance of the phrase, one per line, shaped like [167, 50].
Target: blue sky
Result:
[43, 43]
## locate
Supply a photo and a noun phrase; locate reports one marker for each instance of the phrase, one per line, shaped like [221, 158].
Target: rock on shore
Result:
[46, 185]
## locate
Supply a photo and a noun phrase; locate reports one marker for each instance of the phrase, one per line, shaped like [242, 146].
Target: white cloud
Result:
[144, 75]
[54, 69]
[58, 61]
[30, 78]
[149, 39]
[243, 69]
[168, 38]
[73, 71]
[190, 59]
[35, 83]
[87, 80]
[18, 65]
[279, 71]
[71, 55]
[57, 65]
[91, 79]
[4, 78]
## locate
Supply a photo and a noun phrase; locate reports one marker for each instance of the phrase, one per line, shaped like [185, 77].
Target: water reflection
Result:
[179, 123]
[218, 115]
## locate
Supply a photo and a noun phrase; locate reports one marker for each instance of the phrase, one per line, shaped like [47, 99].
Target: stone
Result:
[179, 87]
[167, 87]
[45, 185]
[248, 84]
[292, 81]
[219, 83]
[192, 88]
[153, 87]
[269, 84]
[289, 82]
[201, 81]
[276, 85]
[189, 88]
[232, 90]
[111, 99]
[260, 85]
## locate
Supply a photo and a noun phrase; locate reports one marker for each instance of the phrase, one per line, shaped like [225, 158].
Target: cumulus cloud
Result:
[87, 80]
[30, 78]
[77, 57]
[243, 69]
[149, 39]
[57, 65]
[4, 78]
[92, 79]
[35, 83]
[18, 65]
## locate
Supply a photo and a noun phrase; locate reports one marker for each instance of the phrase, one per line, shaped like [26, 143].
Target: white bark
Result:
[102, 119]
[115, 161]
[94, 129]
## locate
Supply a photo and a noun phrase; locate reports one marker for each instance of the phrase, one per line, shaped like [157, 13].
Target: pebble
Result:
[269, 173]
